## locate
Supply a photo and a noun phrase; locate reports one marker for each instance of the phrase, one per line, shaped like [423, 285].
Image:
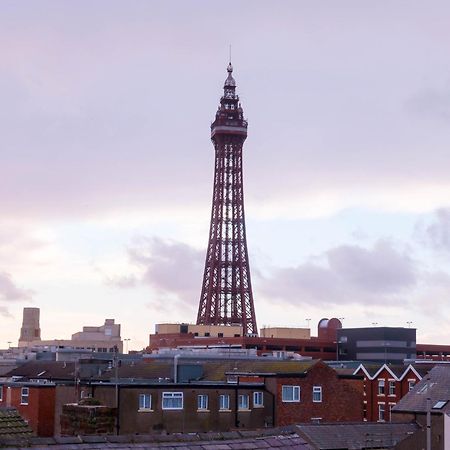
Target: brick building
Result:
[34, 402]
[429, 396]
[186, 395]
[385, 385]
[317, 394]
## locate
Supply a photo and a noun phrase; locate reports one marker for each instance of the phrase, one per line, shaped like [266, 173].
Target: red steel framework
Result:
[227, 297]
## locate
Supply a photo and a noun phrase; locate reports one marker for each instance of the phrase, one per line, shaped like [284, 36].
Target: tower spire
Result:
[227, 297]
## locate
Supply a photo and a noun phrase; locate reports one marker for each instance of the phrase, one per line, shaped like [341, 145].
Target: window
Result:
[224, 402]
[145, 402]
[243, 401]
[290, 393]
[172, 400]
[411, 384]
[440, 404]
[202, 402]
[380, 412]
[317, 394]
[25, 393]
[391, 405]
[1, 393]
[380, 387]
[391, 387]
[258, 399]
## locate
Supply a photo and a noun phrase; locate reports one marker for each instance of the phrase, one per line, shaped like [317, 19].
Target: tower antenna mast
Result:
[226, 297]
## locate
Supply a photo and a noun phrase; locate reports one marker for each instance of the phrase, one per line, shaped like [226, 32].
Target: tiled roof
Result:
[12, 425]
[435, 385]
[155, 369]
[356, 435]
[44, 370]
[250, 440]
[215, 371]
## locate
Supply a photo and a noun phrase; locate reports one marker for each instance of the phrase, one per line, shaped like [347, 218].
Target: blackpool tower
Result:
[227, 297]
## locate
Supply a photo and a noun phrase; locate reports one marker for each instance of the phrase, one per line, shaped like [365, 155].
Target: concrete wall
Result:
[287, 333]
[201, 330]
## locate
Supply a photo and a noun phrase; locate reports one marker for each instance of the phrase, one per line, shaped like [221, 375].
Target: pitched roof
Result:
[436, 386]
[285, 437]
[356, 435]
[212, 370]
[44, 370]
[12, 425]
[216, 371]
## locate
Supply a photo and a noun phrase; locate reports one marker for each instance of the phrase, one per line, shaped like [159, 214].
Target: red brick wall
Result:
[40, 411]
[46, 419]
[342, 399]
[374, 399]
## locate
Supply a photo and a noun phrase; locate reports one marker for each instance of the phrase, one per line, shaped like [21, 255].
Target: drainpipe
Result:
[428, 422]
[236, 403]
[175, 368]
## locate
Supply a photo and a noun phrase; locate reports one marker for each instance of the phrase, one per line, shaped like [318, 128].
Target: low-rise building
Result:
[430, 396]
[385, 385]
[190, 394]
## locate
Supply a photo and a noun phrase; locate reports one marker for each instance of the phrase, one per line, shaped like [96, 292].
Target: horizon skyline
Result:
[106, 162]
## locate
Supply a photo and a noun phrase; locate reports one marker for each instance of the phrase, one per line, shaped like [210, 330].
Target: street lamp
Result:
[307, 321]
[409, 322]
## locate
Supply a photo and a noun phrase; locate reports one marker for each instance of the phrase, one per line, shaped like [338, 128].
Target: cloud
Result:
[382, 269]
[347, 274]
[9, 292]
[432, 103]
[437, 233]
[170, 267]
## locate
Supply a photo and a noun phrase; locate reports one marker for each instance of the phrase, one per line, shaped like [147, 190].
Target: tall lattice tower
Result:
[227, 297]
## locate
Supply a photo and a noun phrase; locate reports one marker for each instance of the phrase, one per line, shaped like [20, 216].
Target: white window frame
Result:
[224, 402]
[317, 390]
[202, 402]
[1, 392]
[258, 399]
[391, 405]
[381, 412]
[243, 402]
[381, 387]
[169, 398]
[411, 383]
[145, 402]
[392, 388]
[25, 396]
[290, 394]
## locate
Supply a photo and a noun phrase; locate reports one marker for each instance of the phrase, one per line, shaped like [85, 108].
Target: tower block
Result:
[226, 297]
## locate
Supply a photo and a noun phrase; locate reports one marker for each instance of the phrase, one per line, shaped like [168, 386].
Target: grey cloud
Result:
[349, 274]
[437, 233]
[10, 292]
[381, 269]
[170, 267]
[431, 103]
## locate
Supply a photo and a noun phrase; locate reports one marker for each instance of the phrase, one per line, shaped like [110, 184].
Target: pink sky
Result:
[106, 163]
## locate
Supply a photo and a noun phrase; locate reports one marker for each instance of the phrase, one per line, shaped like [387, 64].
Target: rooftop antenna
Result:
[230, 53]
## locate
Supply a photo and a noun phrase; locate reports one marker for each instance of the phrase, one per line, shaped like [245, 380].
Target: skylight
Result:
[440, 404]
